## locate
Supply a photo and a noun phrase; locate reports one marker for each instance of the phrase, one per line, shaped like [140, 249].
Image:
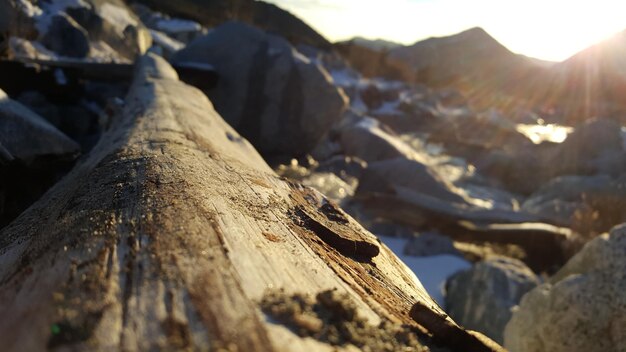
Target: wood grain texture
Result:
[168, 235]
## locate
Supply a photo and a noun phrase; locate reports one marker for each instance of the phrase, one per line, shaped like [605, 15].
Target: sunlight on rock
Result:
[545, 133]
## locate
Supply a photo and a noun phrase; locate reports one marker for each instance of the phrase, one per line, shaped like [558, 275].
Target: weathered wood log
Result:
[175, 234]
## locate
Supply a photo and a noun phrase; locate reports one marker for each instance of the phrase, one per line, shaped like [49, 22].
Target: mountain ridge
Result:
[591, 82]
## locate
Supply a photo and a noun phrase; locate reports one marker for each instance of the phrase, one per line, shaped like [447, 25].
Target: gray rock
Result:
[113, 23]
[595, 147]
[519, 170]
[274, 96]
[482, 298]
[488, 130]
[589, 141]
[16, 19]
[581, 308]
[573, 200]
[66, 37]
[371, 141]
[26, 137]
[382, 176]
[429, 244]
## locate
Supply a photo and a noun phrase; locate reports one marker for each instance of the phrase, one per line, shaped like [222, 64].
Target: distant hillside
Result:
[464, 58]
[266, 16]
[374, 63]
[596, 77]
[374, 44]
[592, 82]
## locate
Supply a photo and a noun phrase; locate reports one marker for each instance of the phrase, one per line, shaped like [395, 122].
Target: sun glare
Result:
[551, 30]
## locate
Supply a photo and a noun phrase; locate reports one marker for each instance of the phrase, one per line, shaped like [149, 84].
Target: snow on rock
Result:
[28, 8]
[177, 25]
[345, 77]
[48, 10]
[168, 44]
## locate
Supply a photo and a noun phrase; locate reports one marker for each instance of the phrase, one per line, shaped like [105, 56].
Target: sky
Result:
[545, 29]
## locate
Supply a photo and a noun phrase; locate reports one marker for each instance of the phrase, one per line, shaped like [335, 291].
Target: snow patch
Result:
[298, 56]
[166, 41]
[431, 271]
[388, 108]
[358, 105]
[367, 123]
[28, 8]
[177, 26]
[59, 76]
[344, 78]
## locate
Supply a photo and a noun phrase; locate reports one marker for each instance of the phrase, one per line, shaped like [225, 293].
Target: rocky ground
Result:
[508, 219]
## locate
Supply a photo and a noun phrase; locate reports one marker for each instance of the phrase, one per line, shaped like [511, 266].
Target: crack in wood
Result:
[356, 249]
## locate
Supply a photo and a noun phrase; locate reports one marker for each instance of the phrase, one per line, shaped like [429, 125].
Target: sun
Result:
[551, 30]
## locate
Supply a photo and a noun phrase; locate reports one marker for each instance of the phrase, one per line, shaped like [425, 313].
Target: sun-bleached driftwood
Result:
[170, 234]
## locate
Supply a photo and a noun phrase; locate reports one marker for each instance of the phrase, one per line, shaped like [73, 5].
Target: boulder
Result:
[545, 247]
[33, 155]
[26, 137]
[595, 147]
[418, 113]
[114, 23]
[587, 203]
[482, 297]
[66, 38]
[16, 20]
[269, 17]
[383, 176]
[581, 308]
[277, 98]
[486, 131]
[521, 171]
[112, 29]
[590, 141]
[371, 141]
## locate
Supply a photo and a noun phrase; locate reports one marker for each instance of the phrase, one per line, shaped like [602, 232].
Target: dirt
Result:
[271, 237]
[332, 318]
